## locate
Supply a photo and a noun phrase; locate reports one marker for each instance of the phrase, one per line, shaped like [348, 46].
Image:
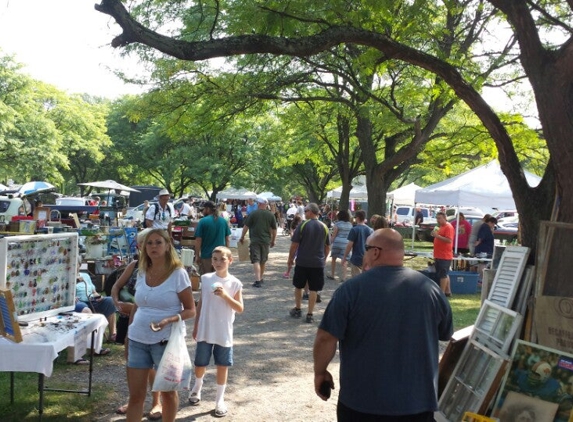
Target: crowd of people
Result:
[378, 298]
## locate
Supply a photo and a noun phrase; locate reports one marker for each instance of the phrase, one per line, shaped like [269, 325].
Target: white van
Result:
[406, 215]
[9, 207]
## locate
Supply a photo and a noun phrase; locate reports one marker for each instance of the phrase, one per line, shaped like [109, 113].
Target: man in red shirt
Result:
[443, 238]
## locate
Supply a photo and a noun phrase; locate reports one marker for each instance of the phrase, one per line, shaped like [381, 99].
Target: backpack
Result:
[156, 205]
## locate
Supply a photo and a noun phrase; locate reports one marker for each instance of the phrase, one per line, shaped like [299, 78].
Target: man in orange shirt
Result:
[443, 254]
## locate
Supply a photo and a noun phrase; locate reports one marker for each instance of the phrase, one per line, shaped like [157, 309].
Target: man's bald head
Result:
[387, 249]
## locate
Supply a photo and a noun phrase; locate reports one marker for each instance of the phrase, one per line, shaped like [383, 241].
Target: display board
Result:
[40, 271]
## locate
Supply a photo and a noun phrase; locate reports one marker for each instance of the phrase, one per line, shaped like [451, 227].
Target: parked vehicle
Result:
[406, 215]
[502, 214]
[9, 207]
[136, 213]
[507, 229]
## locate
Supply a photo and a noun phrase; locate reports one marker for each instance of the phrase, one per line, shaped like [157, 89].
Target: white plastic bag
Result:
[175, 368]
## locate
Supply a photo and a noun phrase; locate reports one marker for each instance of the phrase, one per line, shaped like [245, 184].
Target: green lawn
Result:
[75, 407]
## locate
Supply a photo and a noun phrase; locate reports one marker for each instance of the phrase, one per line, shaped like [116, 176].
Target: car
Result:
[135, 213]
[507, 229]
[502, 214]
[451, 213]
[406, 215]
[9, 207]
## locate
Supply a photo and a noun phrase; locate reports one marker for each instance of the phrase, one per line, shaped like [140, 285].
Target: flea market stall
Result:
[37, 286]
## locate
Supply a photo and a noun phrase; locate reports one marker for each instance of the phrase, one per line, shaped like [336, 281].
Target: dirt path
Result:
[272, 379]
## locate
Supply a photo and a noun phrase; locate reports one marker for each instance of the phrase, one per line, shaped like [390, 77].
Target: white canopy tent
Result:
[358, 192]
[404, 195]
[269, 196]
[484, 187]
[233, 193]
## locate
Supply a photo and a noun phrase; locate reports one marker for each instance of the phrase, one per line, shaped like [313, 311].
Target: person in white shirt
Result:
[221, 299]
[185, 209]
[160, 214]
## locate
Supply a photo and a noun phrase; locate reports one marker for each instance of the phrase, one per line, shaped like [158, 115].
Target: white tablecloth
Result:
[42, 341]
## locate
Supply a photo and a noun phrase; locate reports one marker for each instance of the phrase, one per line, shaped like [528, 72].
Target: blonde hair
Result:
[226, 252]
[172, 260]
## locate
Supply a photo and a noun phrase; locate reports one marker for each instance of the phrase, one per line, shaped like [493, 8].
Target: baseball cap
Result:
[163, 192]
[262, 200]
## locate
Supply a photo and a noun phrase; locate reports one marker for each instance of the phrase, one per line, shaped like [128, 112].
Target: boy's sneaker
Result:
[194, 399]
[257, 284]
[309, 318]
[305, 296]
[295, 313]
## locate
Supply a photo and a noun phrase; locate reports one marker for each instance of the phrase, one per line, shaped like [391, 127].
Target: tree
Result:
[547, 67]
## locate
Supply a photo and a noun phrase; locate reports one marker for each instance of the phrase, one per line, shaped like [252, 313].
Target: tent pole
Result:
[414, 227]
[457, 230]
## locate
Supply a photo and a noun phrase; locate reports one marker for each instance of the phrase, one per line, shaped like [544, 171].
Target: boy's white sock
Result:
[197, 386]
[220, 399]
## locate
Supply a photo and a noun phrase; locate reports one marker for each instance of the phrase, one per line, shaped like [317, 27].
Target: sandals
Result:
[154, 416]
[103, 352]
[80, 361]
[111, 338]
[122, 410]
[194, 399]
[220, 412]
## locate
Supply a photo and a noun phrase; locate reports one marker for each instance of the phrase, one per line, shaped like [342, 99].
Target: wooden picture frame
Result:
[42, 216]
[9, 327]
[541, 372]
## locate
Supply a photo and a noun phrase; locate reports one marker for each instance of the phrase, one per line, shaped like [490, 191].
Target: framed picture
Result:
[540, 380]
[42, 216]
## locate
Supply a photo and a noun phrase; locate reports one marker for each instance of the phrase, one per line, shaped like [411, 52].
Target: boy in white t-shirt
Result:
[221, 298]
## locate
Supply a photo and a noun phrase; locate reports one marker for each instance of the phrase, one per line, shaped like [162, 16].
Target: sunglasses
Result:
[368, 247]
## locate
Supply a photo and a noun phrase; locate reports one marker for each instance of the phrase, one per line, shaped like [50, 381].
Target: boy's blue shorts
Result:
[223, 356]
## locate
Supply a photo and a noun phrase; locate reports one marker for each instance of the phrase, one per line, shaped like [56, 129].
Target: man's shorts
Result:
[144, 356]
[259, 252]
[442, 267]
[313, 276]
[223, 356]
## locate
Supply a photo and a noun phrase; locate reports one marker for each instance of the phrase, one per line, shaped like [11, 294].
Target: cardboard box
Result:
[27, 226]
[187, 242]
[463, 282]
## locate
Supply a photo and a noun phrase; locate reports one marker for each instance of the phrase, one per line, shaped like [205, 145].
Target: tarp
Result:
[484, 187]
[404, 195]
[233, 193]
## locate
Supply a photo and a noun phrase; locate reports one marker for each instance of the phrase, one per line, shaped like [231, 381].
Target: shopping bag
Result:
[175, 368]
[243, 250]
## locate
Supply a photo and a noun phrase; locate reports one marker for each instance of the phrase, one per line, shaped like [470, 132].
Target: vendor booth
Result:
[37, 297]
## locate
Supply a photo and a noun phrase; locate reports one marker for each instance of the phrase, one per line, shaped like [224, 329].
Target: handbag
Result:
[175, 369]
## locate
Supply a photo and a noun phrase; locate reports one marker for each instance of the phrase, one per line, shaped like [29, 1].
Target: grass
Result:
[58, 406]
[465, 309]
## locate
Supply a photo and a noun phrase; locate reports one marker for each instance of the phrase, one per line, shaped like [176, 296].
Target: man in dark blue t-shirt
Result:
[311, 245]
[388, 321]
[356, 241]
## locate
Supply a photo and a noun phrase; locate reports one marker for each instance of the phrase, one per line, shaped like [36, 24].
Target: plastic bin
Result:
[463, 282]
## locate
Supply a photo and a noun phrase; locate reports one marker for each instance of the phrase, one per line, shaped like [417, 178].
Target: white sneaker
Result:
[194, 398]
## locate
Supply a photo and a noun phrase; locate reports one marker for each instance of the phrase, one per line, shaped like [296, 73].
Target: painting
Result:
[540, 379]
[521, 408]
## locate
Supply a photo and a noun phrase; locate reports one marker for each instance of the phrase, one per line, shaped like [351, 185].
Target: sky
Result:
[65, 43]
